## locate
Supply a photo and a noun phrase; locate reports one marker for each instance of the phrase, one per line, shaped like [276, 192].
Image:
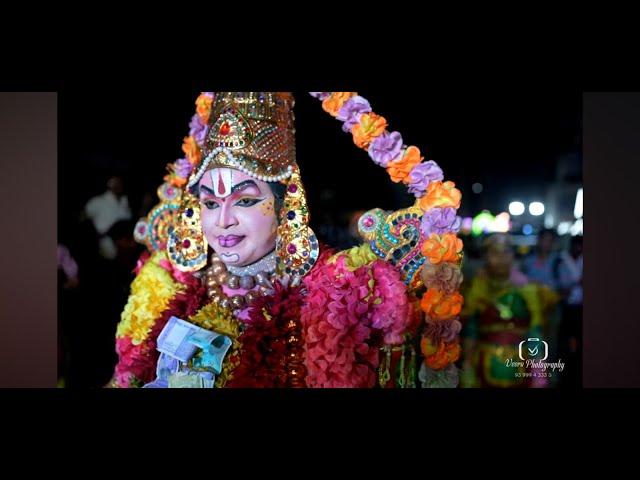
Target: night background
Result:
[518, 145]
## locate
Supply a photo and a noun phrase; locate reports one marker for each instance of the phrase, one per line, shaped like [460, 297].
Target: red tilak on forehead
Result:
[221, 188]
[222, 181]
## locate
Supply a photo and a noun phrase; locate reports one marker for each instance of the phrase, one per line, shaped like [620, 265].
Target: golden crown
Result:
[252, 132]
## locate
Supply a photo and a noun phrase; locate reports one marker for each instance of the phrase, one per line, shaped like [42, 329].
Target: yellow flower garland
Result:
[151, 292]
[355, 257]
[221, 320]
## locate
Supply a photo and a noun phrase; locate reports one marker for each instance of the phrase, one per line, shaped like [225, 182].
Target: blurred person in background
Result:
[542, 266]
[473, 261]
[570, 328]
[105, 210]
[502, 308]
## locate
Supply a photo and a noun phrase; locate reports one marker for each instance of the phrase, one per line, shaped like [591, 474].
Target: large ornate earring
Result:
[153, 231]
[297, 246]
[187, 245]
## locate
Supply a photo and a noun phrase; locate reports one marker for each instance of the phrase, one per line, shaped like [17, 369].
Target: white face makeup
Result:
[238, 216]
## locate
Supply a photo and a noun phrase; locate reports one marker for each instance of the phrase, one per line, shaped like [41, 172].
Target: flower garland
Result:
[151, 291]
[157, 293]
[355, 303]
[221, 320]
[180, 170]
[272, 343]
[438, 199]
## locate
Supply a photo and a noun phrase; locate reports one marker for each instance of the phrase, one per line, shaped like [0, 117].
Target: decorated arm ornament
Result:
[419, 241]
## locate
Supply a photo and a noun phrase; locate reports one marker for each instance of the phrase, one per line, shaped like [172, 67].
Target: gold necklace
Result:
[218, 275]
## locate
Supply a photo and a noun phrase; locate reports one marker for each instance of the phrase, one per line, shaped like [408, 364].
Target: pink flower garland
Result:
[345, 322]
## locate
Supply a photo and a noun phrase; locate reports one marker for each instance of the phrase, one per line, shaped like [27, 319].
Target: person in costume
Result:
[236, 291]
[502, 308]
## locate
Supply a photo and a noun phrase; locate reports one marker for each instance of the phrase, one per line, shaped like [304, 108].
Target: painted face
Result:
[238, 216]
[499, 260]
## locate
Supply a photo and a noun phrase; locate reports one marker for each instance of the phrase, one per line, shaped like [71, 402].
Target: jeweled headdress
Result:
[249, 131]
[252, 132]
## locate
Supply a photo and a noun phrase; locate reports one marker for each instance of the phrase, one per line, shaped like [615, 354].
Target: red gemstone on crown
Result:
[186, 243]
[225, 128]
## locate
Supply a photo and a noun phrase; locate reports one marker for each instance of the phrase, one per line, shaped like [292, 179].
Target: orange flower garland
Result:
[370, 126]
[440, 306]
[203, 107]
[424, 179]
[334, 102]
[400, 169]
[442, 248]
[191, 150]
[440, 194]
[439, 356]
